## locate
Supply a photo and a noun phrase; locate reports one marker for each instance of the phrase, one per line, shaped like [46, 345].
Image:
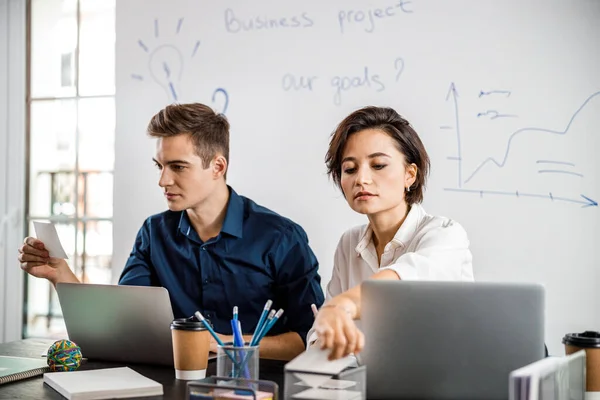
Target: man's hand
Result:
[36, 261]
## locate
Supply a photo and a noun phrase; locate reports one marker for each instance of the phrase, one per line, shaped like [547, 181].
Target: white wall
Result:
[12, 164]
[544, 54]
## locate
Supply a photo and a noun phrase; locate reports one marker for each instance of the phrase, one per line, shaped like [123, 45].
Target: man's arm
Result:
[284, 347]
[298, 286]
[138, 271]
[36, 261]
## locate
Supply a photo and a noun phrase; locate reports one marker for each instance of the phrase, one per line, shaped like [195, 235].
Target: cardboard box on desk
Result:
[312, 376]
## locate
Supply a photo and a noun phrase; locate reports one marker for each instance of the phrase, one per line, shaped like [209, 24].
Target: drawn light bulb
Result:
[165, 63]
[166, 66]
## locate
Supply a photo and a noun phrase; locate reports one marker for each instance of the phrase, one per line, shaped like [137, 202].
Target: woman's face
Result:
[374, 173]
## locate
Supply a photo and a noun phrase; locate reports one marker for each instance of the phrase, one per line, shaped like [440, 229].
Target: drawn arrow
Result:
[584, 201]
[453, 92]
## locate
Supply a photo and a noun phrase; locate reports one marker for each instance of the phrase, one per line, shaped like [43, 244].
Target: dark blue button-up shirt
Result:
[258, 255]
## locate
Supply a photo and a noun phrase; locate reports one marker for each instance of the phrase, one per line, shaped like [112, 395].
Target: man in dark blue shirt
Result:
[213, 249]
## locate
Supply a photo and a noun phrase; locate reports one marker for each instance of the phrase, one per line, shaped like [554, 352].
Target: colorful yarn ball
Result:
[64, 355]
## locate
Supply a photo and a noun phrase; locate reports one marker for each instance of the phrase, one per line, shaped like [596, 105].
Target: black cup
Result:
[188, 324]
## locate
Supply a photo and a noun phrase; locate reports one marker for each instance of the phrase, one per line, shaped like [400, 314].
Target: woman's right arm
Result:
[334, 287]
[335, 325]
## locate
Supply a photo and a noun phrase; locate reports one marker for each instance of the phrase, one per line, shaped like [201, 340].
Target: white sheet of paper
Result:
[315, 360]
[329, 384]
[325, 394]
[46, 232]
[105, 383]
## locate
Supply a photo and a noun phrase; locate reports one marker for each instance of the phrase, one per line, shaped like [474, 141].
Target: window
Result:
[71, 136]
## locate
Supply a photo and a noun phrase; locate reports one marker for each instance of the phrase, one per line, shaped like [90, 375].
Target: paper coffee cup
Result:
[590, 342]
[191, 344]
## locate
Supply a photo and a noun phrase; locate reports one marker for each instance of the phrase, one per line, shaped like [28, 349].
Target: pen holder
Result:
[238, 362]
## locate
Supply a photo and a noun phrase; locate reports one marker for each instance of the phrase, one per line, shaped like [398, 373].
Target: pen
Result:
[239, 342]
[208, 327]
[235, 313]
[270, 325]
[258, 333]
[261, 321]
[212, 332]
[239, 325]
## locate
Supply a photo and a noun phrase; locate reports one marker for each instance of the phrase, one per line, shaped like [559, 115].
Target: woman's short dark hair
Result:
[389, 121]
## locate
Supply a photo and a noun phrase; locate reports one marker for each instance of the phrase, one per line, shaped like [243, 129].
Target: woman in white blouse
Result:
[379, 162]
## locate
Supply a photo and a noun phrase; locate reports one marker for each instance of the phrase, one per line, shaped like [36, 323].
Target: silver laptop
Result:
[118, 323]
[448, 340]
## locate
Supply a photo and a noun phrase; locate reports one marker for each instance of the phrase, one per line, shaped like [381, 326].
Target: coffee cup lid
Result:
[587, 339]
[188, 324]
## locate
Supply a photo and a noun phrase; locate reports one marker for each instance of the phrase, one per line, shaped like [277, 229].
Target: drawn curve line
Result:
[501, 164]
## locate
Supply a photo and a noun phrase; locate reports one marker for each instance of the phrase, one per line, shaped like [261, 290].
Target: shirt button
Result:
[206, 281]
[204, 248]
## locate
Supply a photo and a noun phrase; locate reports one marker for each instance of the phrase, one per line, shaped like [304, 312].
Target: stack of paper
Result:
[109, 383]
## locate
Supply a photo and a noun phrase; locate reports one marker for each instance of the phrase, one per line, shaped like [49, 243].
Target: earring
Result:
[408, 189]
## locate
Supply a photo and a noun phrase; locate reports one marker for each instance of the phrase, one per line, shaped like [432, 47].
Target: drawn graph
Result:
[558, 167]
[166, 63]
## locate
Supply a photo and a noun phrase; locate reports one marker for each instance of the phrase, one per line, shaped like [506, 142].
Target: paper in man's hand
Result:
[46, 232]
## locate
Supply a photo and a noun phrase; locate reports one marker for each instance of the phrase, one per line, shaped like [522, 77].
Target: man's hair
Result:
[208, 130]
[389, 121]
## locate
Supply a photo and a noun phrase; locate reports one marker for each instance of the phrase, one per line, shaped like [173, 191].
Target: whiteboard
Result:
[505, 95]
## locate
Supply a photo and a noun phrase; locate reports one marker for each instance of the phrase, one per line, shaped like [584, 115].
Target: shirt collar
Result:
[404, 234]
[232, 225]
[184, 224]
[234, 218]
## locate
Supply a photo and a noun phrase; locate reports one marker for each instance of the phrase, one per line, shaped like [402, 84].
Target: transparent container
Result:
[222, 388]
[238, 362]
[349, 384]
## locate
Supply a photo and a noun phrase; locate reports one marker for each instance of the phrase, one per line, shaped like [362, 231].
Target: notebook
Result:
[17, 368]
[108, 383]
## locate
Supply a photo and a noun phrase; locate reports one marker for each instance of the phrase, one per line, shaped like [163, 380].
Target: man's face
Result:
[184, 180]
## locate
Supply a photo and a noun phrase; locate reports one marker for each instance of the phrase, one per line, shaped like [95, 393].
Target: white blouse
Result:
[424, 248]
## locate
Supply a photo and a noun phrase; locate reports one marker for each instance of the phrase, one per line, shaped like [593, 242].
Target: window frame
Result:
[79, 218]
[13, 110]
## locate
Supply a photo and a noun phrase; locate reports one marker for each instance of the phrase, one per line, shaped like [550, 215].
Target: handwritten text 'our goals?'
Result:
[365, 19]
